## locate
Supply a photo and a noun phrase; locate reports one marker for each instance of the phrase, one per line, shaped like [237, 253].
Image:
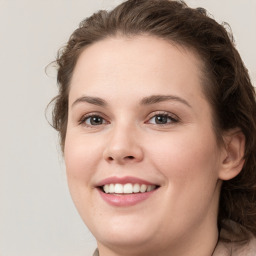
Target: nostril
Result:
[110, 158]
[130, 157]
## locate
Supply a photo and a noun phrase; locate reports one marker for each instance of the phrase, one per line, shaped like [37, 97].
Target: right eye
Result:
[92, 120]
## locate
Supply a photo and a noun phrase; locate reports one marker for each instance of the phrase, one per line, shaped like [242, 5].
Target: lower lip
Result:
[125, 199]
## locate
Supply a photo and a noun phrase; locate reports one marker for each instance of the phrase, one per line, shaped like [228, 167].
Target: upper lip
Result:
[123, 180]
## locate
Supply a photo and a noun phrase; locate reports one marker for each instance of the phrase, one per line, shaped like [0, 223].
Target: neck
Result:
[196, 245]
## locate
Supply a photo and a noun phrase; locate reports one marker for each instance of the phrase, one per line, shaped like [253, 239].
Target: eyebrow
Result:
[153, 99]
[92, 100]
[161, 98]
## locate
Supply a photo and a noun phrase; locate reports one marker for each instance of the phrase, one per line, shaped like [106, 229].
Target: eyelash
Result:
[172, 119]
[83, 120]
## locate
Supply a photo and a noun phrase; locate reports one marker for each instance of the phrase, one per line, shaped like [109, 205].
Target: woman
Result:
[157, 120]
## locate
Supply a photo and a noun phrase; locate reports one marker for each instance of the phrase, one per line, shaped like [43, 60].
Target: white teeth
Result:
[143, 188]
[106, 188]
[150, 188]
[136, 188]
[127, 188]
[111, 188]
[119, 189]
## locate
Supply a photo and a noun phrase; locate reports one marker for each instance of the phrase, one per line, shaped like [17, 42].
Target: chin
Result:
[124, 232]
[125, 239]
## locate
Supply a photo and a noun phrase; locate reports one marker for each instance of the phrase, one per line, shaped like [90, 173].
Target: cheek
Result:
[190, 166]
[186, 158]
[81, 156]
[81, 159]
[75, 160]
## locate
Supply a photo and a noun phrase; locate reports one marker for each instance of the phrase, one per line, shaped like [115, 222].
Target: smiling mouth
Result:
[127, 188]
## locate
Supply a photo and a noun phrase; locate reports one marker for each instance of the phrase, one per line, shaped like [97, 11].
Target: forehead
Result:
[138, 62]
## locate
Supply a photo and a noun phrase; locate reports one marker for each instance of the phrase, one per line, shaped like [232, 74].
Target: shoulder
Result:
[236, 249]
[246, 248]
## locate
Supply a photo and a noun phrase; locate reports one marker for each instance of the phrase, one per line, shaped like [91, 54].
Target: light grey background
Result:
[37, 216]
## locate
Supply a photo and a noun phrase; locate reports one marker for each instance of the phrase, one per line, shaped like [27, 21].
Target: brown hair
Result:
[226, 84]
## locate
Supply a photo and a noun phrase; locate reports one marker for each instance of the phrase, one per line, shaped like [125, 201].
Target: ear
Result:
[233, 154]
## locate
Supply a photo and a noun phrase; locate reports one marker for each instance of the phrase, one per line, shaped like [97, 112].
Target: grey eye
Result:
[94, 120]
[162, 119]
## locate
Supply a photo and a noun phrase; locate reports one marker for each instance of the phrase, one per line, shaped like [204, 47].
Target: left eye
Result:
[162, 119]
[94, 120]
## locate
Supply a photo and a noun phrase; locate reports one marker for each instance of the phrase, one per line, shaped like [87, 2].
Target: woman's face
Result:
[138, 120]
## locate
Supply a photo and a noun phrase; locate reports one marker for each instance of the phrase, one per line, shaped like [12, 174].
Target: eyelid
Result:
[82, 120]
[174, 117]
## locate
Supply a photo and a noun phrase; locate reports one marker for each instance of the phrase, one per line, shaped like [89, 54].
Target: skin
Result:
[181, 156]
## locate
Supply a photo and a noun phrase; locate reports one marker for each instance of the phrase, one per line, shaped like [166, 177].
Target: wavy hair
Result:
[227, 85]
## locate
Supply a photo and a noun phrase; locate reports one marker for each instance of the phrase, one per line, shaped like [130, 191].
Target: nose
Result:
[123, 147]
